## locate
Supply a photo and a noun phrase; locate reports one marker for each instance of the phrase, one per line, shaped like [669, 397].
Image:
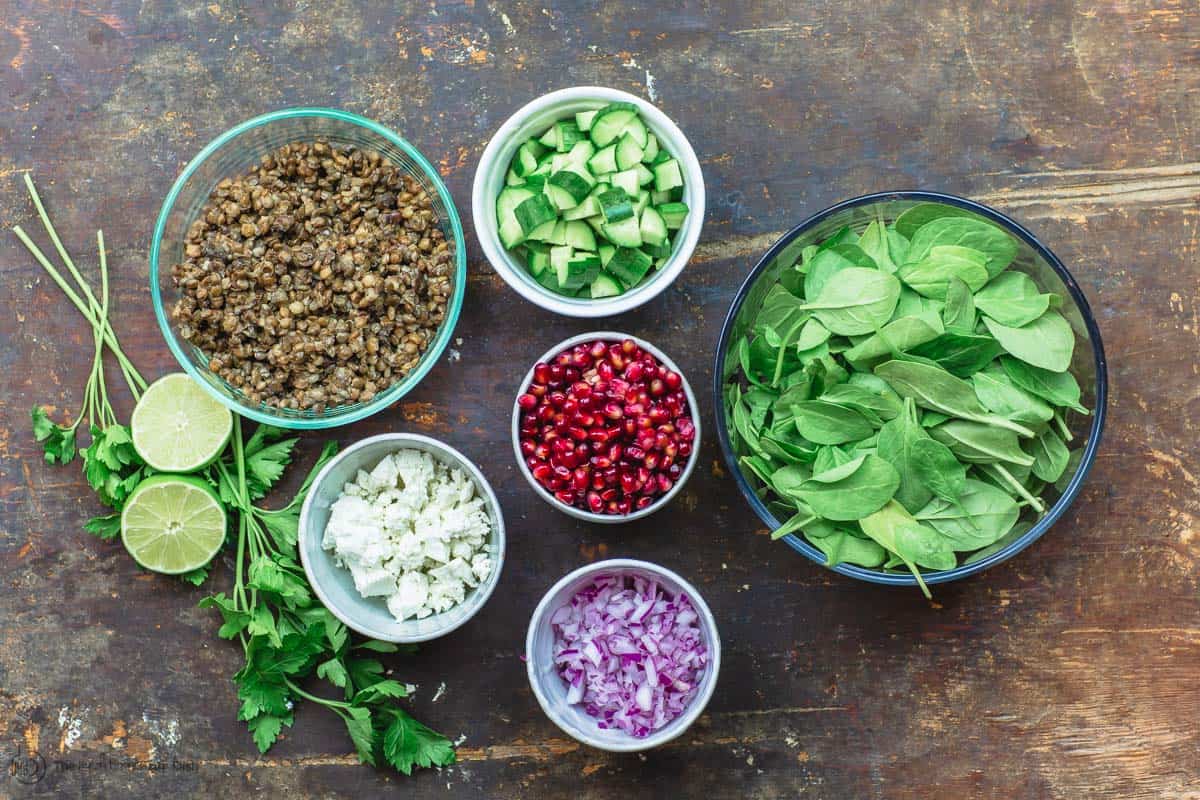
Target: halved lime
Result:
[173, 523]
[179, 427]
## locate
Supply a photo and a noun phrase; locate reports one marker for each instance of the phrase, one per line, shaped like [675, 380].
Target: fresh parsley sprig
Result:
[287, 636]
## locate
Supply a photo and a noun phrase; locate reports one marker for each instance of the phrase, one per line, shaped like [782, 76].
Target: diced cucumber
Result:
[559, 236]
[537, 257]
[511, 178]
[629, 265]
[548, 138]
[566, 134]
[645, 176]
[673, 214]
[629, 152]
[597, 223]
[561, 198]
[627, 180]
[534, 211]
[605, 285]
[580, 153]
[578, 184]
[662, 156]
[640, 202]
[606, 252]
[545, 165]
[667, 175]
[588, 207]
[615, 205]
[637, 129]
[658, 198]
[604, 161]
[584, 119]
[511, 232]
[580, 236]
[579, 270]
[624, 233]
[559, 256]
[526, 159]
[652, 227]
[651, 150]
[658, 251]
[543, 232]
[549, 279]
[610, 122]
[536, 181]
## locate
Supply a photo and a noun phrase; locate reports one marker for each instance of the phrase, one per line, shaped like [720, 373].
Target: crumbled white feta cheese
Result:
[411, 530]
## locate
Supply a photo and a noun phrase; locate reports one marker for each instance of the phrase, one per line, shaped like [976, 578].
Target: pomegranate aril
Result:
[542, 451]
[646, 440]
[657, 387]
[605, 371]
[601, 462]
[598, 481]
[629, 347]
[685, 449]
[527, 447]
[598, 435]
[614, 452]
[538, 390]
[541, 373]
[527, 401]
[579, 478]
[658, 415]
[643, 502]
[651, 461]
[542, 472]
[635, 453]
[565, 496]
[595, 504]
[672, 380]
[635, 371]
[624, 506]
[598, 349]
[674, 471]
[613, 411]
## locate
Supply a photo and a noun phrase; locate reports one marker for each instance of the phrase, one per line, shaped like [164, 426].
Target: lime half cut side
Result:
[173, 524]
[179, 427]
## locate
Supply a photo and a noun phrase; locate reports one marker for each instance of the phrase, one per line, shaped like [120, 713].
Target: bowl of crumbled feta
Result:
[402, 538]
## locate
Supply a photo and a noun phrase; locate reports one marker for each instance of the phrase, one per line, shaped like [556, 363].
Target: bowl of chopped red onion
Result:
[605, 427]
[623, 655]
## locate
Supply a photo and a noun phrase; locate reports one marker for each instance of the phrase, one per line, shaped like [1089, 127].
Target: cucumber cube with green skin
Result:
[604, 161]
[673, 214]
[624, 233]
[566, 134]
[645, 176]
[651, 150]
[560, 197]
[627, 180]
[543, 232]
[526, 159]
[628, 152]
[589, 207]
[510, 230]
[580, 236]
[605, 285]
[534, 211]
[579, 154]
[657, 251]
[636, 129]
[640, 202]
[511, 178]
[609, 123]
[559, 237]
[559, 256]
[597, 223]
[652, 227]
[549, 138]
[576, 184]
[615, 205]
[606, 252]
[584, 119]
[537, 257]
[667, 175]
[549, 279]
[629, 265]
[658, 198]
[579, 270]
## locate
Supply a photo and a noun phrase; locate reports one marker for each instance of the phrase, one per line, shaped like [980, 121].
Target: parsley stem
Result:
[333, 704]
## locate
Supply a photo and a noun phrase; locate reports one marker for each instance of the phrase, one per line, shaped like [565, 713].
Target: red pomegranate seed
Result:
[672, 380]
[629, 347]
[562, 359]
[565, 496]
[657, 387]
[635, 453]
[541, 373]
[651, 461]
[643, 502]
[646, 440]
[624, 506]
[541, 472]
[617, 361]
[674, 471]
[601, 462]
[598, 481]
[670, 449]
[635, 371]
[569, 460]
[598, 435]
[541, 451]
[527, 401]
[611, 507]
[686, 428]
[595, 504]
[579, 478]
[628, 483]
[685, 449]
[598, 349]
[613, 411]
[609, 494]
[528, 447]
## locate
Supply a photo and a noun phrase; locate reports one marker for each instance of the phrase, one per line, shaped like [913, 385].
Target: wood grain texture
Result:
[1069, 672]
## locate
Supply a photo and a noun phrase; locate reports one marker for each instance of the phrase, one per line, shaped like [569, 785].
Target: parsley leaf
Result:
[362, 732]
[265, 729]
[58, 441]
[107, 527]
[407, 742]
[264, 467]
[197, 576]
[333, 671]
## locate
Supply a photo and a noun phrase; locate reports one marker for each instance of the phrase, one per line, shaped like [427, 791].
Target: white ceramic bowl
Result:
[588, 516]
[551, 690]
[534, 118]
[334, 585]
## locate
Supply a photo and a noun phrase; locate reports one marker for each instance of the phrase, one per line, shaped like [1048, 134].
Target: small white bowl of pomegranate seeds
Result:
[605, 427]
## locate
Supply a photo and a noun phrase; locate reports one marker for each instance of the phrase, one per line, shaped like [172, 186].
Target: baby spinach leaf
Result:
[1057, 388]
[1050, 456]
[977, 442]
[959, 353]
[870, 402]
[998, 395]
[1014, 533]
[1073, 461]
[859, 301]
[830, 457]
[897, 336]
[930, 275]
[842, 547]
[813, 334]
[828, 423]
[916, 217]
[912, 304]
[864, 490]
[959, 312]
[831, 261]
[937, 468]
[795, 523]
[924, 546]
[1047, 342]
[996, 245]
[981, 516]
[883, 526]
[896, 441]
[1013, 299]
[934, 388]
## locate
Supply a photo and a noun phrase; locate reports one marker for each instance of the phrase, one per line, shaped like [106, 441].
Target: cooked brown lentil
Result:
[316, 279]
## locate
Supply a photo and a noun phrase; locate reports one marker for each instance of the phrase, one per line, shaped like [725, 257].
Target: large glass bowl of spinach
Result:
[910, 388]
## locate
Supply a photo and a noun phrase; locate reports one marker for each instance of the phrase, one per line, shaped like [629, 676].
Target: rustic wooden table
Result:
[1068, 672]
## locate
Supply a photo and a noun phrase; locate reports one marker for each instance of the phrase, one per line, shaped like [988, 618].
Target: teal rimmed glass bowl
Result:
[234, 152]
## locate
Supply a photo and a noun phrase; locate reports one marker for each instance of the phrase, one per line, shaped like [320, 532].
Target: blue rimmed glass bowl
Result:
[1033, 258]
[236, 151]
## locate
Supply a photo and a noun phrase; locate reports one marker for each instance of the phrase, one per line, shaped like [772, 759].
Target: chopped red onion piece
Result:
[632, 655]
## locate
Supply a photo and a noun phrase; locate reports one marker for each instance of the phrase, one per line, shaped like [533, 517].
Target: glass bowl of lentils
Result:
[308, 268]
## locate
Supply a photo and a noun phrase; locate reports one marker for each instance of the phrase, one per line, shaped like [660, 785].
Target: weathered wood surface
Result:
[1069, 672]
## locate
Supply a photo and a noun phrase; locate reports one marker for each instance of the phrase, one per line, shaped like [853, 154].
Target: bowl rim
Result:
[432, 354]
[578, 513]
[541, 615]
[1095, 432]
[399, 439]
[482, 205]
